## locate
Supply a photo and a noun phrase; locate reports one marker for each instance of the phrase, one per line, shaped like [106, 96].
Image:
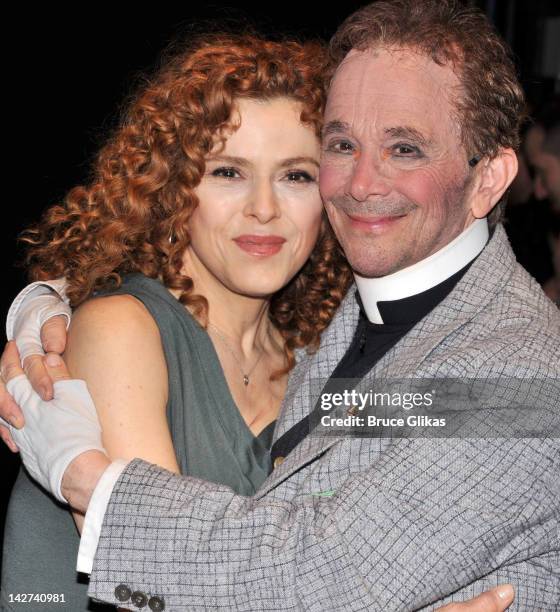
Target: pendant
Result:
[245, 379]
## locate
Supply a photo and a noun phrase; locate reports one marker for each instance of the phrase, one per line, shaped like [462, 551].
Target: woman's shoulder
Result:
[113, 319]
[114, 342]
[123, 308]
[139, 285]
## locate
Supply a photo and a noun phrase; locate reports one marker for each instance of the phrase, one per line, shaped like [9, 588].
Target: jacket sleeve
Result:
[426, 519]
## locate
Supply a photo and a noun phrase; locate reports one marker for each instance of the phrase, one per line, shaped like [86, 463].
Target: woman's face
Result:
[259, 208]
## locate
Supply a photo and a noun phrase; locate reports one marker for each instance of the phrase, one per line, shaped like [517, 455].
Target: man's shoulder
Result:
[518, 329]
[521, 307]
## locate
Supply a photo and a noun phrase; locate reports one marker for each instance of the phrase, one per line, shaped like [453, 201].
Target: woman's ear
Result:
[494, 176]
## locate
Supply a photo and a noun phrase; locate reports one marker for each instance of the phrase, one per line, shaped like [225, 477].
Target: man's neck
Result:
[425, 274]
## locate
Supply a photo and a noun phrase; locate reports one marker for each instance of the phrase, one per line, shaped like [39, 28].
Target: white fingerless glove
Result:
[33, 306]
[55, 432]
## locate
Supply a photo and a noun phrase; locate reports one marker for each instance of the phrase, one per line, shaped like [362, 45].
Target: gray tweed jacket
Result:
[369, 524]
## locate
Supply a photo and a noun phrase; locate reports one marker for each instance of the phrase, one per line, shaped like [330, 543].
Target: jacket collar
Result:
[486, 278]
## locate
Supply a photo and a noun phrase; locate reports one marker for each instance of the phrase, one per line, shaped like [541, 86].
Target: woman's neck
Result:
[244, 323]
[242, 319]
[248, 346]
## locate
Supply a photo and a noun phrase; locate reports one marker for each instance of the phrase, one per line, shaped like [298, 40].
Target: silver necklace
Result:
[228, 346]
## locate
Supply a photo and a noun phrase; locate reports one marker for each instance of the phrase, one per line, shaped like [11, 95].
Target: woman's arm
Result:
[115, 346]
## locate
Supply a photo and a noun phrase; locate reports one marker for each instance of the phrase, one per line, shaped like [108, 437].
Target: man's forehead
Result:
[399, 73]
[392, 86]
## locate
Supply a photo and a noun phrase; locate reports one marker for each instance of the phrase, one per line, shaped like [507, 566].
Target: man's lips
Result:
[260, 245]
[373, 224]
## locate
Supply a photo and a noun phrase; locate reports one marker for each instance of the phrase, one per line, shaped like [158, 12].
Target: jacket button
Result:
[278, 461]
[156, 604]
[353, 411]
[122, 592]
[139, 599]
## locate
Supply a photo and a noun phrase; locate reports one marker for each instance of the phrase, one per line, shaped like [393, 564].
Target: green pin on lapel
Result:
[328, 493]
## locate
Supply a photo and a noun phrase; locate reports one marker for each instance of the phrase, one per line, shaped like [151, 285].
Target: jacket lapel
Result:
[486, 277]
[304, 384]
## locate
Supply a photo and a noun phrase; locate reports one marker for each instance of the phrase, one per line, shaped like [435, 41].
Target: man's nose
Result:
[367, 180]
[263, 202]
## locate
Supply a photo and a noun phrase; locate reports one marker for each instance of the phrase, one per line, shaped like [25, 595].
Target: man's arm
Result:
[377, 543]
[284, 527]
[79, 485]
[84, 474]
[82, 477]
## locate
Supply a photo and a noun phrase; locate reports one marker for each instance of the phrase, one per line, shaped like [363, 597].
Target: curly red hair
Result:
[142, 190]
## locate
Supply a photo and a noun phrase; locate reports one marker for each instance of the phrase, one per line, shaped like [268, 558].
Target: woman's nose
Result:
[263, 202]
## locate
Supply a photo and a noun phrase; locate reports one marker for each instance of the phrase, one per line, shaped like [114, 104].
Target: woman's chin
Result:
[258, 287]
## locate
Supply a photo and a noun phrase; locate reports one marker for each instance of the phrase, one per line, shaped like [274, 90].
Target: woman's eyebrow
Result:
[229, 159]
[293, 161]
[241, 161]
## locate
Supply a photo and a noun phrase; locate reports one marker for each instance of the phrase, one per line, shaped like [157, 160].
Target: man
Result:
[420, 130]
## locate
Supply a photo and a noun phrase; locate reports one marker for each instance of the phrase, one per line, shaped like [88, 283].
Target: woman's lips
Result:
[260, 245]
[373, 224]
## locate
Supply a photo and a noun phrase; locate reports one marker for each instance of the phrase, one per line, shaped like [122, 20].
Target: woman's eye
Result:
[229, 173]
[341, 146]
[299, 176]
[406, 150]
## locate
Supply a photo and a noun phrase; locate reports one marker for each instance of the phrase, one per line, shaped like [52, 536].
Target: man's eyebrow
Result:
[333, 127]
[336, 126]
[407, 132]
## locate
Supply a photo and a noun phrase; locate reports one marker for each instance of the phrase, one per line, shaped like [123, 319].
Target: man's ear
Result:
[494, 176]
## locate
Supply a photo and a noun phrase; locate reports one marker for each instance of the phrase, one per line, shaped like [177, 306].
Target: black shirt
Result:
[370, 342]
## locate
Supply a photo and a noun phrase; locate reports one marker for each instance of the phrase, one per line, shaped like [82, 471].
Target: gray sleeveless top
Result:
[211, 440]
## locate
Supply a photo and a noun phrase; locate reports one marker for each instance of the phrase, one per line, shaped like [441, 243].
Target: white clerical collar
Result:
[424, 274]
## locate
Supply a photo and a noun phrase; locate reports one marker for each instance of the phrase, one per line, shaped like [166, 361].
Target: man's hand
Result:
[42, 371]
[53, 340]
[496, 600]
[55, 432]
[10, 412]
[81, 478]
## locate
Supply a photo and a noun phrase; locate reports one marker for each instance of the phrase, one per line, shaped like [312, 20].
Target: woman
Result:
[203, 240]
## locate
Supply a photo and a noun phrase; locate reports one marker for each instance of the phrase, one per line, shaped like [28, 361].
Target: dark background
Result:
[68, 73]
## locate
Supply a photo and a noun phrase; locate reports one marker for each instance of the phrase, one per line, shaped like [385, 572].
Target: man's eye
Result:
[229, 173]
[299, 176]
[341, 146]
[406, 150]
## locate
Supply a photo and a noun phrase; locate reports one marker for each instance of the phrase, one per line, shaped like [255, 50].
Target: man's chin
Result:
[375, 258]
[374, 269]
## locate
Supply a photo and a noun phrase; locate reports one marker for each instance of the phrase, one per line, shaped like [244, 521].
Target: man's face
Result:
[394, 174]
[545, 167]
